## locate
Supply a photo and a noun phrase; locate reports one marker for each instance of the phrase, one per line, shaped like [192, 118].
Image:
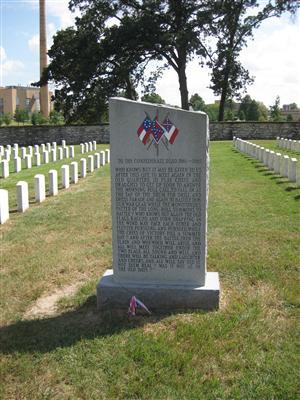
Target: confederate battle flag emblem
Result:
[151, 131]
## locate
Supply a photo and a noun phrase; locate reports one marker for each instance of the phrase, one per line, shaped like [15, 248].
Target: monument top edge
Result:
[164, 106]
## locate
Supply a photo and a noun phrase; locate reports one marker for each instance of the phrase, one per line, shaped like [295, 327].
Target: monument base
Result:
[115, 295]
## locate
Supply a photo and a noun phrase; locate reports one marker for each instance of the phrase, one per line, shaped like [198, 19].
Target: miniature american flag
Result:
[144, 130]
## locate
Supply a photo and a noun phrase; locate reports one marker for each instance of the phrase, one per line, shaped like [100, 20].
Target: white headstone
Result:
[63, 143]
[53, 182]
[82, 148]
[90, 146]
[37, 159]
[65, 176]
[83, 167]
[286, 161]
[54, 145]
[102, 157]
[277, 163]
[293, 170]
[4, 206]
[4, 168]
[46, 157]
[159, 172]
[17, 164]
[22, 196]
[74, 171]
[15, 152]
[23, 153]
[66, 152]
[53, 155]
[48, 145]
[107, 156]
[30, 150]
[271, 160]
[72, 152]
[60, 153]
[7, 154]
[94, 145]
[91, 163]
[43, 147]
[1, 150]
[97, 160]
[8, 147]
[86, 147]
[39, 187]
[36, 148]
[28, 162]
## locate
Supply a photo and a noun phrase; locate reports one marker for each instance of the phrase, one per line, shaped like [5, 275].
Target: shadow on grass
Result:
[64, 330]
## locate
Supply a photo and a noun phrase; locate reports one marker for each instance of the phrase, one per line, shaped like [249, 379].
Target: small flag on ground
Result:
[170, 130]
[144, 130]
[133, 305]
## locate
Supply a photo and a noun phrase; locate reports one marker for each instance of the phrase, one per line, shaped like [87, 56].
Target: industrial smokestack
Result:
[44, 94]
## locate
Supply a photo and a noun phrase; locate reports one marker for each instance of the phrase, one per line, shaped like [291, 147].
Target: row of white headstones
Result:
[281, 164]
[289, 144]
[93, 162]
[48, 152]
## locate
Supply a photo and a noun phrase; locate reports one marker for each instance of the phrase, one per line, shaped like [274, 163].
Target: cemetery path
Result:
[47, 305]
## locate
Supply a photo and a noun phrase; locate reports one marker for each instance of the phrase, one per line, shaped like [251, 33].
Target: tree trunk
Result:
[183, 85]
[224, 95]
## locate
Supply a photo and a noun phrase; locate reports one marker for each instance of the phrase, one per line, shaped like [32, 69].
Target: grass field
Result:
[249, 349]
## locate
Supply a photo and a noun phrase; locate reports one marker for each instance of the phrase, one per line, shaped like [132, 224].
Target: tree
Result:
[56, 118]
[7, 119]
[289, 118]
[108, 58]
[244, 108]
[198, 103]
[21, 115]
[37, 118]
[153, 98]
[275, 110]
[232, 30]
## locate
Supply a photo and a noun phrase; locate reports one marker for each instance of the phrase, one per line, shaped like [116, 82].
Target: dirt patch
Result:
[47, 305]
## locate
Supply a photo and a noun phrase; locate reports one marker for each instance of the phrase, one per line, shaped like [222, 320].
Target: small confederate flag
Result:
[144, 130]
[157, 130]
[170, 130]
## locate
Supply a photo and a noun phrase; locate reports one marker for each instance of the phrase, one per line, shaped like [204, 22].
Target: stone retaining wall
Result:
[75, 134]
[254, 130]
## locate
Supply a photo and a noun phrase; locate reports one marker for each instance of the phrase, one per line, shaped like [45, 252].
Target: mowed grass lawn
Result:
[248, 349]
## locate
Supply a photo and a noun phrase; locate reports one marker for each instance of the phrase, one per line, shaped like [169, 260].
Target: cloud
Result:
[34, 43]
[9, 66]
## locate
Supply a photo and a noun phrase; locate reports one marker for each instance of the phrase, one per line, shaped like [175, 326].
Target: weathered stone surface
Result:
[159, 207]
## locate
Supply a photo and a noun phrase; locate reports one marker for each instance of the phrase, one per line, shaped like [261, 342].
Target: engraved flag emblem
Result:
[153, 132]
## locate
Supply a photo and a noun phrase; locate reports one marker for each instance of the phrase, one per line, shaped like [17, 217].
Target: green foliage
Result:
[198, 103]
[235, 27]
[37, 118]
[1, 120]
[7, 118]
[212, 111]
[252, 110]
[275, 111]
[289, 118]
[56, 118]
[153, 98]
[21, 115]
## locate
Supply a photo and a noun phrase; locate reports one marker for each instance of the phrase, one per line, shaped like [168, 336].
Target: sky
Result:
[273, 57]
